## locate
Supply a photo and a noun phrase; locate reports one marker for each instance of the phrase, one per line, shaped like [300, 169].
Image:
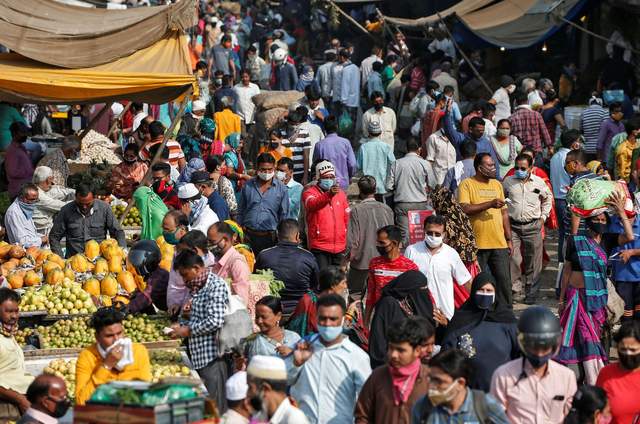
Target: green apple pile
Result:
[132, 219]
[60, 299]
[66, 370]
[141, 328]
[67, 333]
[167, 363]
[22, 335]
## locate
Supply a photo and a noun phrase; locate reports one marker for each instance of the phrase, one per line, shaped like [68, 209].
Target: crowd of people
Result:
[404, 221]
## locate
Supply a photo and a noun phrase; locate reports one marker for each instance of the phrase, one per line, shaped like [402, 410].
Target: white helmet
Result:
[279, 55]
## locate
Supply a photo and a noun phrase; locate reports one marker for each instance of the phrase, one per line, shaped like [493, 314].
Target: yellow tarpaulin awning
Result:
[156, 74]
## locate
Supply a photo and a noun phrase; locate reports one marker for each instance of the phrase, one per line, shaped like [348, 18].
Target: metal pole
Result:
[464, 55]
[167, 134]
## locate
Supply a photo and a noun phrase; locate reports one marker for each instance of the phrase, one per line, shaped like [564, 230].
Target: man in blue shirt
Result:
[294, 188]
[475, 134]
[263, 203]
[202, 181]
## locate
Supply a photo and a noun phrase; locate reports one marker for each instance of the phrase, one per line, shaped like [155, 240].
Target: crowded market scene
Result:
[319, 211]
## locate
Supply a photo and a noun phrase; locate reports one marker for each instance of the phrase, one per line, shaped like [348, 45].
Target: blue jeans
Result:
[561, 212]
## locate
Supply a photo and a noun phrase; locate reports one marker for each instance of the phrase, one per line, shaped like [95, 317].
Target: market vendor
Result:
[145, 257]
[15, 380]
[18, 219]
[57, 159]
[113, 357]
[82, 220]
[127, 175]
[51, 198]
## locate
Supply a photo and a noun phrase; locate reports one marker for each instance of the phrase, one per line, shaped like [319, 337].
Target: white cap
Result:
[325, 169]
[117, 108]
[267, 368]
[187, 191]
[279, 55]
[236, 386]
[198, 105]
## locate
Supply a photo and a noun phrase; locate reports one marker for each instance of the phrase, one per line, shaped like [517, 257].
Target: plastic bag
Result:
[588, 197]
[345, 124]
[173, 393]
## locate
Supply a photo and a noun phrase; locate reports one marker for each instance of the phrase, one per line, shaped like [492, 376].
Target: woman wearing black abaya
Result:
[485, 330]
[406, 295]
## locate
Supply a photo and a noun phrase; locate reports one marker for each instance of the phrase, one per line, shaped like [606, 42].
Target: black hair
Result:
[265, 158]
[475, 121]
[161, 167]
[522, 156]
[586, 401]
[84, 189]
[528, 149]
[487, 108]
[187, 259]
[614, 105]
[568, 137]
[330, 56]
[628, 329]
[367, 185]
[303, 111]
[376, 95]
[286, 161]
[344, 53]
[468, 149]
[330, 277]
[195, 239]
[137, 106]
[501, 121]
[312, 92]
[435, 220]
[390, 59]
[377, 66]
[521, 97]
[287, 228]
[8, 294]
[453, 363]
[413, 144]
[179, 217]
[579, 156]
[448, 89]
[272, 302]
[245, 71]
[477, 161]
[432, 85]
[38, 388]
[213, 162]
[223, 228]
[105, 317]
[156, 129]
[252, 49]
[632, 125]
[393, 232]
[153, 151]
[330, 124]
[328, 300]
[410, 331]
[225, 38]
[18, 127]
[201, 65]
[132, 147]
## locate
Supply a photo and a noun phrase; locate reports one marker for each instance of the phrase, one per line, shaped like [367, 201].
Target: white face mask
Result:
[266, 176]
[281, 175]
[433, 241]
[511, 88]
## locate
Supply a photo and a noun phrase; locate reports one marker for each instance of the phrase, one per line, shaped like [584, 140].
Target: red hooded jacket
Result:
[327, 219]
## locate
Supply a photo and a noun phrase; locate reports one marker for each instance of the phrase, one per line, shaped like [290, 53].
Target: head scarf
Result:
[233, 140]
[197, 207]
[207, 127]
[152, 211]
[305, 79]
[195, 164]
[236, 229]
[469, 315]
[411, 286]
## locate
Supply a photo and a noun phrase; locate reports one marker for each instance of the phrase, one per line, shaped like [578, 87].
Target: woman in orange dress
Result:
[275, 146]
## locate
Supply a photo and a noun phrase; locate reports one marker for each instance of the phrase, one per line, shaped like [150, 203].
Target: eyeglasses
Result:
[433, 233]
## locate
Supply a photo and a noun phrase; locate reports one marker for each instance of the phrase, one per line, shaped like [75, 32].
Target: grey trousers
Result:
[214, 377]
[527, 248]
[400, 211]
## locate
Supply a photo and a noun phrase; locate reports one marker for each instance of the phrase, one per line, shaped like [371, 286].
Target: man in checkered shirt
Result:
[207, 307]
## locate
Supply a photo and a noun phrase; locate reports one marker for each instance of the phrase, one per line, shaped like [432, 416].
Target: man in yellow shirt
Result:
[226, 121]
[14, 379]
[113, 357]
[624, 152]
[482, 199]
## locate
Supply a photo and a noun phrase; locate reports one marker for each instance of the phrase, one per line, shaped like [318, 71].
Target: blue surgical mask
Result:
[521, 175]
[326, 183]
[329, 334]
[27, 208]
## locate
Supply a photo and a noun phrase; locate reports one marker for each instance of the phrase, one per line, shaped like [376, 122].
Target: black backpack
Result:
[479, 407]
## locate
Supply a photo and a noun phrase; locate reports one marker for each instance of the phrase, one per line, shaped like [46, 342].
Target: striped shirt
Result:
[381, 272]
[590, 122]
[298, 142]
[175, 151]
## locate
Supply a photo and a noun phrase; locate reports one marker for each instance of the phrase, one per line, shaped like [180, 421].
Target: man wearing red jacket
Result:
[327, 215]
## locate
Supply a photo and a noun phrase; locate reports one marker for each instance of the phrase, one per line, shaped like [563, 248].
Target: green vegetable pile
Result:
[275, 285]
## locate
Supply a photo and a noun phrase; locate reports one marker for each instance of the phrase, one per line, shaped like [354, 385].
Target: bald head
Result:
[45, 386]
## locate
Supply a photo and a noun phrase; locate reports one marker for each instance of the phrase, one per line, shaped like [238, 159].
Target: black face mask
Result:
[629, 362]
[62, 406]
[256, 403]
[378, 107]
[216, 250]
[382, 250]
[597, 227]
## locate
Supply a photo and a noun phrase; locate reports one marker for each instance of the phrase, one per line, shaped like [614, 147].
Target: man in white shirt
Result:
[332, 368]
[245, 90]
[138, 115]
[385, 116]
[440, 263]
[441, 156]
[324, 76]
[442, 43]
[367, 63]
[51, 198]
[501, 98]
[444, 79]
[18, 219]
[236, 389]
[196, 207]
